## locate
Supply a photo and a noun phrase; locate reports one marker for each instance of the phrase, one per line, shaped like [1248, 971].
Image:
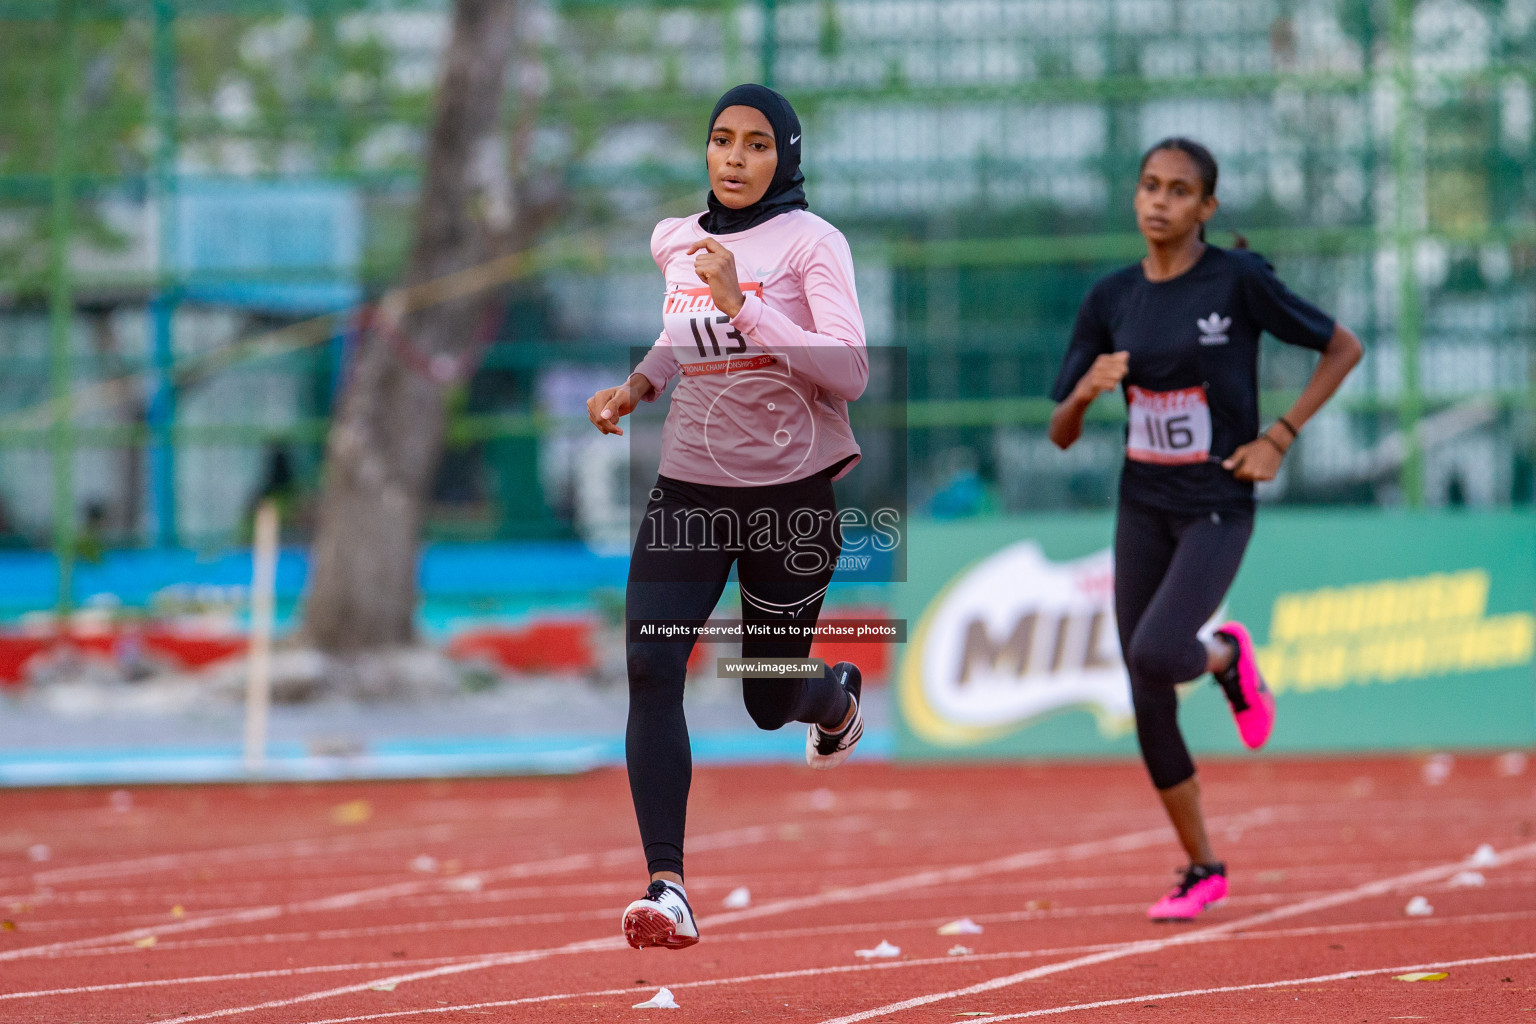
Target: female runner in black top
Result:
[1179, 331]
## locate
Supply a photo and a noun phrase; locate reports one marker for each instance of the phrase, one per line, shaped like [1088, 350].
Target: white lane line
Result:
[434, 832]
[503, 960]
[281, 972]
[409, 928]
[347, 900]
[1132, 910]
[291, 938]
[158, 897]
[458, 892]
[1003, 917]
[812, 972]
[825, 930]
[1015, 862]
[1360, 892]
[382, 839]
[310, 847]
[968, 872]
[464, 924]
[808, 972]
[251, 915]
[605, 890]
[1031, 887]
[442, 927]
[1277, 933]
[1318, 979]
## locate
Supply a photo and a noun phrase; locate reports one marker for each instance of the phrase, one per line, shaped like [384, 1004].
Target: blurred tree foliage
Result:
[252, 95]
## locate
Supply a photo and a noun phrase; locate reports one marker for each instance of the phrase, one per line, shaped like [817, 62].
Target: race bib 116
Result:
[1170, 428]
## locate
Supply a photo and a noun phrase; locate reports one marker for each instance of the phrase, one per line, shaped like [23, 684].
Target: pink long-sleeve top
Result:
[763, 396]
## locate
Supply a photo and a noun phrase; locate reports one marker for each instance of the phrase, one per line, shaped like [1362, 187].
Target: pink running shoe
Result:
[1204, 885]
[1253, 706]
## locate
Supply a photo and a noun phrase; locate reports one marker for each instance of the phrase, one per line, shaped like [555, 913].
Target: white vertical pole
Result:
[263, 593]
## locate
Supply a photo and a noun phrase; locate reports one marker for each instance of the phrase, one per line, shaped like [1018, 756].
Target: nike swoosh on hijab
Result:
[786, 191]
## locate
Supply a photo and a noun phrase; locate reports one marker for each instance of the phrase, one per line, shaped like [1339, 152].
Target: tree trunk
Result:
[387, 436]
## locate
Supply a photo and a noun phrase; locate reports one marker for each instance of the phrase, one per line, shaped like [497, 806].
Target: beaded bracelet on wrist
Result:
[1273, 444]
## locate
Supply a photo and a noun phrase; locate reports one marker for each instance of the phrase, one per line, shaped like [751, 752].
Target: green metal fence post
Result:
[61, 303]
[1407, 229]
[162, 410]
[770, 40]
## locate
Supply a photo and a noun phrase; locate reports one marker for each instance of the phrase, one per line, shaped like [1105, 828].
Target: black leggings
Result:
[1171, 574]
[784, 541]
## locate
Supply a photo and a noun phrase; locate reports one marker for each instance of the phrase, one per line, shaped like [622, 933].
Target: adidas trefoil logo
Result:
[1213, 329]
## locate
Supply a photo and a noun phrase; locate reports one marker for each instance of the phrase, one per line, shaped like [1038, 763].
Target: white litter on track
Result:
[964, 926]
[880, 952]
[662, 1000]
[1437, 769]
[1485, 857]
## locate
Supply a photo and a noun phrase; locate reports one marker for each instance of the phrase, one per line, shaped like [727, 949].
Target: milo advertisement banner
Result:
[1375, 630]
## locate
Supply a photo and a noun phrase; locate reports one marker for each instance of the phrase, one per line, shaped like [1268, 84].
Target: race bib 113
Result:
[703, 338]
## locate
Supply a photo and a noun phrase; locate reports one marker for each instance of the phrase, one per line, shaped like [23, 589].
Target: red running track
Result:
[499, 900]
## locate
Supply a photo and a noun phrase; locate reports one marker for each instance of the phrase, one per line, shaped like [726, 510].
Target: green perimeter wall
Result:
[1377, 631]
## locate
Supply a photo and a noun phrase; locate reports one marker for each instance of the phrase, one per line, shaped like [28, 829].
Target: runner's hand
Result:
[1105, 374]
[716, 267]
[1254, 462]
[606, 407]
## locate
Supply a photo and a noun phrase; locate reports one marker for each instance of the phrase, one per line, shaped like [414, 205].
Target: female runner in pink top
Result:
[761, 329]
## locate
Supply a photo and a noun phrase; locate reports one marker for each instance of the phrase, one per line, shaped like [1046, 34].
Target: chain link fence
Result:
[184, 260]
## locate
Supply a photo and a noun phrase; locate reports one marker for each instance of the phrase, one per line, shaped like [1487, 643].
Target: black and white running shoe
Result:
[824, 750]
[662, 917]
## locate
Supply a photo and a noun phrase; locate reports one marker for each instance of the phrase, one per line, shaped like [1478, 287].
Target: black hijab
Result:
[787, 189]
